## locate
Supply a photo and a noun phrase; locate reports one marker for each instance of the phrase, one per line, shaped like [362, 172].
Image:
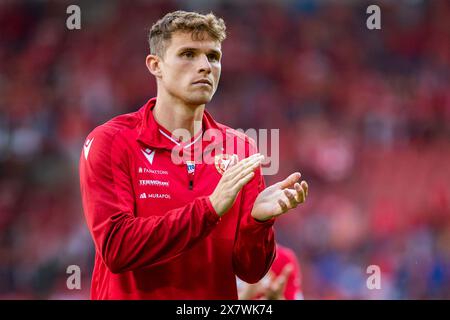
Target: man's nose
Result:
[204, 65]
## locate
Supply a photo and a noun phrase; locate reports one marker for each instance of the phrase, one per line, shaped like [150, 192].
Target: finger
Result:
[298, 189]
[231, 180]
[268, 279]
[281, 280]
[300, 193]
[291, 198]
[276, 289]
[235, 160]
[249, 158]
[287, 270]
[252, 164]
[283, 206]
[302, 196]
[251, 167]
[233, 177]
[280, 284]
[243, 164]
[290, 181]
[241, 183]
[305, 187]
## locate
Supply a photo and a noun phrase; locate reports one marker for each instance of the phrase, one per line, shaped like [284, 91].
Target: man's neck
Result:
[174, 114]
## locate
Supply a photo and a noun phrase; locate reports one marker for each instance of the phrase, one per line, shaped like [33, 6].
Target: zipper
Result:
[190, 169]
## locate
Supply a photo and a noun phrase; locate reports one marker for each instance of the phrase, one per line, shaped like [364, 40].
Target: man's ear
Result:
[153, 65]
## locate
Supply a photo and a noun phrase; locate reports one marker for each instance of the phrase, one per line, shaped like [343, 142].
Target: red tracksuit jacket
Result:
[155, 231]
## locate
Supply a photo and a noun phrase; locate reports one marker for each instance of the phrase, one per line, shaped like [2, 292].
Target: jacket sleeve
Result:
[254, 246]
[124, 241]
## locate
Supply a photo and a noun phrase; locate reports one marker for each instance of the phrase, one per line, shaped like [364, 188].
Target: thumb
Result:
[290, 181]
[283, 277]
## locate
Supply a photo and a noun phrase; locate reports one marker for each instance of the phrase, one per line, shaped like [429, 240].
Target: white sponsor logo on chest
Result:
[152, 171]
[157, 183]
[149, 154]
[154, 196]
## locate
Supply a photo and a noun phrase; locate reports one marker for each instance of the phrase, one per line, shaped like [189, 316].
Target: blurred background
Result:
[363, 114]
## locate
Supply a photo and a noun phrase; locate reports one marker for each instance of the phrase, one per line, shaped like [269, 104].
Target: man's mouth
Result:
[203, 81]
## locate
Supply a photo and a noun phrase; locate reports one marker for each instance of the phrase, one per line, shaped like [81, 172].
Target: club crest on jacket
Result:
[222, 162]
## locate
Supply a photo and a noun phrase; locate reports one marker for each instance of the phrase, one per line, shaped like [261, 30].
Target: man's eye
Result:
[188, 54]
[213, 57]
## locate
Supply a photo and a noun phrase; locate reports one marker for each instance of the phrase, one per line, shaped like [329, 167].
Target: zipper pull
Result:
[190, 166]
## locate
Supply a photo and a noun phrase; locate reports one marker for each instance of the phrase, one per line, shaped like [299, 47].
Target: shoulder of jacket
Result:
[117, 125]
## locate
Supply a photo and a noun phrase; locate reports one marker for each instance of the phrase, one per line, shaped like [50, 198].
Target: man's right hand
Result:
[233, 180]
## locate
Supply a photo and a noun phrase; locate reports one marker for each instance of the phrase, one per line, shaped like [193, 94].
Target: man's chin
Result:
[199, 100]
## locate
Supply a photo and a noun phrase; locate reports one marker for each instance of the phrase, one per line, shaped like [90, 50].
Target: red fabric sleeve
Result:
[125, 241]
[254, 247]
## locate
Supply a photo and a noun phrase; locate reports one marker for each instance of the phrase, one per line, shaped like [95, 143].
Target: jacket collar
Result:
[153, 135]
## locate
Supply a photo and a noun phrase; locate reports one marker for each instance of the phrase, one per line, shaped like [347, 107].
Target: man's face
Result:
[190, 69]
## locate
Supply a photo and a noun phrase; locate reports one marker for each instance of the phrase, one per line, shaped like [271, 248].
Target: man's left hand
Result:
[280, 197]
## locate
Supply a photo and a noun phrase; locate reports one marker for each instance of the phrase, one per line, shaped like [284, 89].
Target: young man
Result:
[170, 229]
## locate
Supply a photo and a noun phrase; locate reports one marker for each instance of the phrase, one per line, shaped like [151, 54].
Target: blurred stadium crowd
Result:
[363, 115]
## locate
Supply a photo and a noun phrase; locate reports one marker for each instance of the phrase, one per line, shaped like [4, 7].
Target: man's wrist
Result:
[215, 206]
[268, 222]
[261, 219]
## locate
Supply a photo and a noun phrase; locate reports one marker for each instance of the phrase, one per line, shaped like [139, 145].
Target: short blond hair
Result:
[192, 22]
